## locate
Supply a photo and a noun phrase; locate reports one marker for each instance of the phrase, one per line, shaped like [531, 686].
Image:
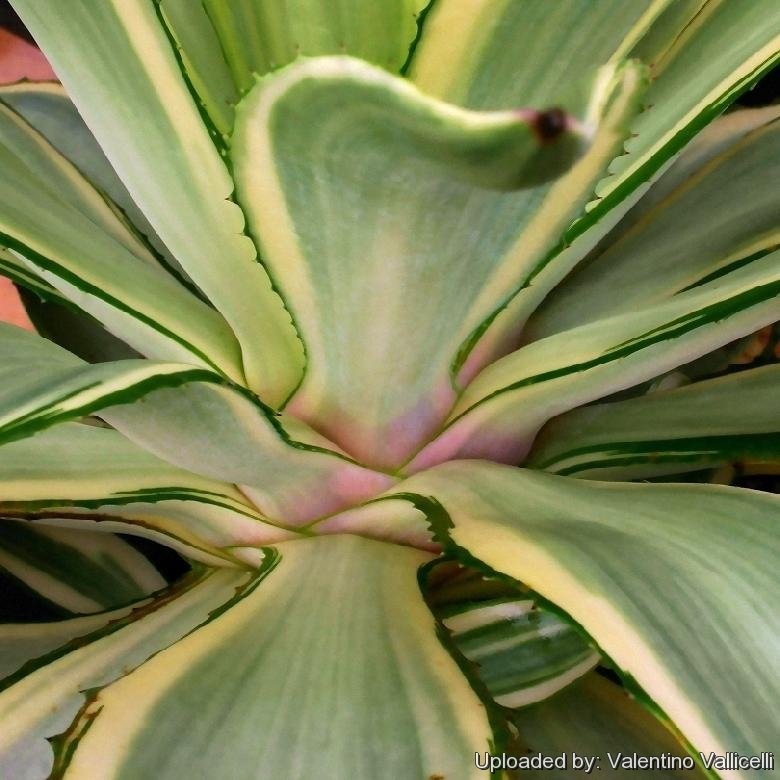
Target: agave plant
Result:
[408, 328]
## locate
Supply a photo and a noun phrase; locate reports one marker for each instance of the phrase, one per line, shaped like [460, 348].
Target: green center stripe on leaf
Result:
[155, 139]
[731, 418]
[503, 409]
[592, 548]
[326, 291]
[355, 651]
[362, 191]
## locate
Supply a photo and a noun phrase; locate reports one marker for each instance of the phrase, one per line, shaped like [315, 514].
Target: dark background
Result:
[10, 20]
[765, 92]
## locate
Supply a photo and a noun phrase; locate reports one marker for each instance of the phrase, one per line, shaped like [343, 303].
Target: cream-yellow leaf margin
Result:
[330, 668]
[119, 68]
[674, 582]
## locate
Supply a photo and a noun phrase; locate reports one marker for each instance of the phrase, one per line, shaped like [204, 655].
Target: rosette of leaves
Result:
[395, 322]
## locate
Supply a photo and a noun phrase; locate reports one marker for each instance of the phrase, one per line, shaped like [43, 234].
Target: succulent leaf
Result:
[80, 572]
[702, 425]
[721, 216]
[501, 412]
[42, 698]
[356, 261]
[494, 54]
[116, 54]
[702, 56]
[313, 250]
[224, 46]
[83, 476]
[47, 108]
[524, 654]
[596, 717]
[339, 631]
[658, 575]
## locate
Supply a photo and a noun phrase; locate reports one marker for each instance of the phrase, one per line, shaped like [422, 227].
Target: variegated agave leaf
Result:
[382, 315]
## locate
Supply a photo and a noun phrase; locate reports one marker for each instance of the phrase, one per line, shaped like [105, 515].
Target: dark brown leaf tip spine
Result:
[550, 124]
